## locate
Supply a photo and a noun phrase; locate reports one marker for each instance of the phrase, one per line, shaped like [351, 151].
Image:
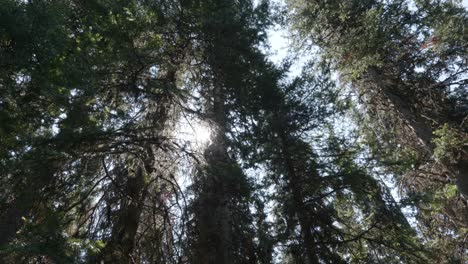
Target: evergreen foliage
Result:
[94, 165]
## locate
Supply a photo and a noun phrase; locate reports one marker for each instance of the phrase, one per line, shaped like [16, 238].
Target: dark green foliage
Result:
[406, 61]
[92, 158]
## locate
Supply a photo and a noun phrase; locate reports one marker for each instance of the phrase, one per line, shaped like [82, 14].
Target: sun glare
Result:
[201, 132]
[196, 132]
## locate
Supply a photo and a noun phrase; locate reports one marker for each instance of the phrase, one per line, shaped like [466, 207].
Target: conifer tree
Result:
[91, 93]
[407, 68]
[221, 227]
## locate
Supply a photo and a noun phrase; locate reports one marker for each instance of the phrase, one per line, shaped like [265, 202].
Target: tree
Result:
[399, 62]
[95, 82]
[90, 151]
[221, 228]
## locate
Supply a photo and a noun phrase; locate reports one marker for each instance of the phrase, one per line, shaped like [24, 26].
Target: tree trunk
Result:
[294, 184]
[119, 249]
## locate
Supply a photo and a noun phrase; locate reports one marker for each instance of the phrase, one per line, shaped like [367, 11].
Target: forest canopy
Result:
[141, 131]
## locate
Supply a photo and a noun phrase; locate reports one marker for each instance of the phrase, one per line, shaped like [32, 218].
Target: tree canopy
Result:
[358, 157]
